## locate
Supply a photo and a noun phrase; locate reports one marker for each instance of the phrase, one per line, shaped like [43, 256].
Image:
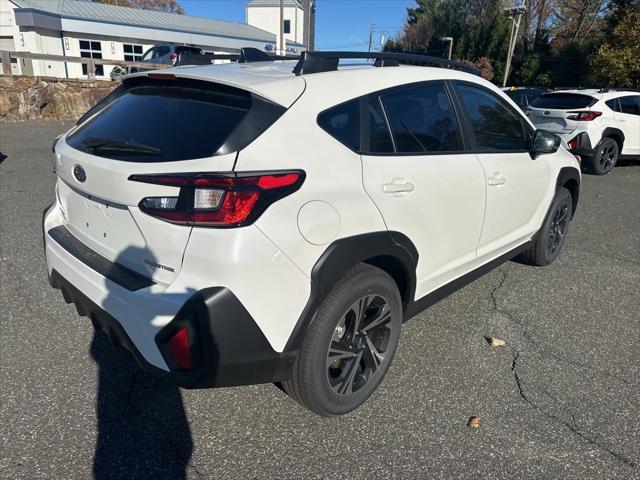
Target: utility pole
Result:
[372, 27]
[283, 49]
[515, 13]
[450, 40]
[310, 21]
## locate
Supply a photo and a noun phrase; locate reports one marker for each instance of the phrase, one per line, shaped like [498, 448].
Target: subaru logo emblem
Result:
[547, 113]
[79, 173]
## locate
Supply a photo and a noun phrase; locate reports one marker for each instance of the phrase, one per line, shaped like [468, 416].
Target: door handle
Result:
[398, 187]
[496, 180]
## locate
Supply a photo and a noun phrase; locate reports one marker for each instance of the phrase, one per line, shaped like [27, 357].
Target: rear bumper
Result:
[583, 145]
[231, 348]
[228, 347]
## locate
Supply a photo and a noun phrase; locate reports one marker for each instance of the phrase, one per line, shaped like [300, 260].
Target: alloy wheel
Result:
[609, 156]
[359, 344]
[557, 229]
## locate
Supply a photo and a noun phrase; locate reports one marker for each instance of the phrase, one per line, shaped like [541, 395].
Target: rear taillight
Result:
[573, 143]
[218, 200]
[173, 58]
[180, 349]
[585, 116]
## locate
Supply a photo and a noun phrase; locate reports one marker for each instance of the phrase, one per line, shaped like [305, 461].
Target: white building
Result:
[77, 28]
[265, 14]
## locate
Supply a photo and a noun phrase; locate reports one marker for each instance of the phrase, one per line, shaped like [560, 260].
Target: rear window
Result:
[563, 101]
[163, 123]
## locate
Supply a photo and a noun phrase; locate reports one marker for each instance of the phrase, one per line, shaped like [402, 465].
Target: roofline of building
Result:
[30, 10]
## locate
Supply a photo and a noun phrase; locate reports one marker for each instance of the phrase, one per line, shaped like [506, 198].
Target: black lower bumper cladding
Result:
[229, 348]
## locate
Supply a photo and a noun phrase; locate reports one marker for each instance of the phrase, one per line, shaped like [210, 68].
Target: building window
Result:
[91, 50]
[132, 53]
[287, 26]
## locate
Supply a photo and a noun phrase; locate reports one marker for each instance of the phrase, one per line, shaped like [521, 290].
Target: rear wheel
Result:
[350, 343]
[548, 242]
[605, 157]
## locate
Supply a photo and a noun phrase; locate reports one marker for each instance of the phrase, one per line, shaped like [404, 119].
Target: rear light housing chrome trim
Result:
[218, 200]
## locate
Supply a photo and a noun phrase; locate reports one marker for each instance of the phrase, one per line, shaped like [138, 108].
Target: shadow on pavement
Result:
[142, 428]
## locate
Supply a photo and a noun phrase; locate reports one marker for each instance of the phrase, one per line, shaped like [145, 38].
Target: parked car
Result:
[172, 54]
[524, 96]
[237, 224]
[601, 126]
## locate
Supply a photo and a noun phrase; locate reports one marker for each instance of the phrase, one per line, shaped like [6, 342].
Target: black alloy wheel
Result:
[359, 344]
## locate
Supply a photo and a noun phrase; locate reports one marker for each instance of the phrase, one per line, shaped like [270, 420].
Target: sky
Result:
[340, 24]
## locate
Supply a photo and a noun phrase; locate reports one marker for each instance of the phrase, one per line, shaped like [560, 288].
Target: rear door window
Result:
[342, 123]
[422, 120]
[379, 135]
[563, 101]
[630, 104]
[495, 125]
[164, 123]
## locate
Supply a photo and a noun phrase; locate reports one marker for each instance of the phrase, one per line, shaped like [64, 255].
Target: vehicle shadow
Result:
[3, 157]
[142, 428]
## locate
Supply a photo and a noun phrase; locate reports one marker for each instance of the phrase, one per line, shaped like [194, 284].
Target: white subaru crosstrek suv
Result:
[601, 126]
[278, 221]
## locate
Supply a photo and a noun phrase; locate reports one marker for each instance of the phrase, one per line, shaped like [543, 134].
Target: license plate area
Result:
[106, 227]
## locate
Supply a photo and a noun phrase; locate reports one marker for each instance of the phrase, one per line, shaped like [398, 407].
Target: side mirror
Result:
[544, 142]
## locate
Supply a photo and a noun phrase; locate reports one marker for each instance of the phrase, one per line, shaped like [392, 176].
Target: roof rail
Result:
[316, 62]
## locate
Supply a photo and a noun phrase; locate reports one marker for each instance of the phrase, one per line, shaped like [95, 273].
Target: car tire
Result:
[350, 344]
[546, 245]
[605, 157]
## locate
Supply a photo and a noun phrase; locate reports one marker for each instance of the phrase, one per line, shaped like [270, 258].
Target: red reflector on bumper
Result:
[180, 349]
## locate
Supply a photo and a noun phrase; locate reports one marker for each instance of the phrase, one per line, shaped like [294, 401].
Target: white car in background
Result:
[602, 126]
[278, 221]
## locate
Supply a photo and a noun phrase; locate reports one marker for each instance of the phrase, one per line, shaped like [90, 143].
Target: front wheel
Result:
[546, 245]
[350, 343]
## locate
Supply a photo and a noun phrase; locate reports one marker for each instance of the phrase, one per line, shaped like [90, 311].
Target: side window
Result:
[342, 123]
[161, 51]
[630, 104]
[379, 135]
[496, 127]
[613, 104]
[149, 54]
[422, 120]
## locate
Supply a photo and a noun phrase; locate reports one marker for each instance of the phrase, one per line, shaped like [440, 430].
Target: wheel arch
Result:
[615, 134]
[569, 178]
[392, 252]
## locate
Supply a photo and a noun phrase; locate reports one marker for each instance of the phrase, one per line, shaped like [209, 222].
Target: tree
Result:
[168, 6]
[478, 27]
[617, 61]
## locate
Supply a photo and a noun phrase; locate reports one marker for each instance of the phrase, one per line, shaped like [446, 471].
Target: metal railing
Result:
[90, 62]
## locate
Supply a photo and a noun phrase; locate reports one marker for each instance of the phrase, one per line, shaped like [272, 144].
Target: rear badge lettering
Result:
[157, 265]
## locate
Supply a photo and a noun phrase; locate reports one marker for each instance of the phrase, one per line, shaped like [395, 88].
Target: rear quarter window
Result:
[342, 123]
[563, 101]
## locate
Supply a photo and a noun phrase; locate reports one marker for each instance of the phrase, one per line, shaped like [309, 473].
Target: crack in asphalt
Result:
[542, 349]
[184, 460]
[573, 425]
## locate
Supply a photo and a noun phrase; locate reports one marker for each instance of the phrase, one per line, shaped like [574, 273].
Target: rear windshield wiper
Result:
[102, 145]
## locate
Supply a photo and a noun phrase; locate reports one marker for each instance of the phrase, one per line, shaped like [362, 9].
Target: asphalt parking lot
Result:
[560, 400]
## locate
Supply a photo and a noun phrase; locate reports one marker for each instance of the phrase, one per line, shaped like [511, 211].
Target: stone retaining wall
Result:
[24, 98]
